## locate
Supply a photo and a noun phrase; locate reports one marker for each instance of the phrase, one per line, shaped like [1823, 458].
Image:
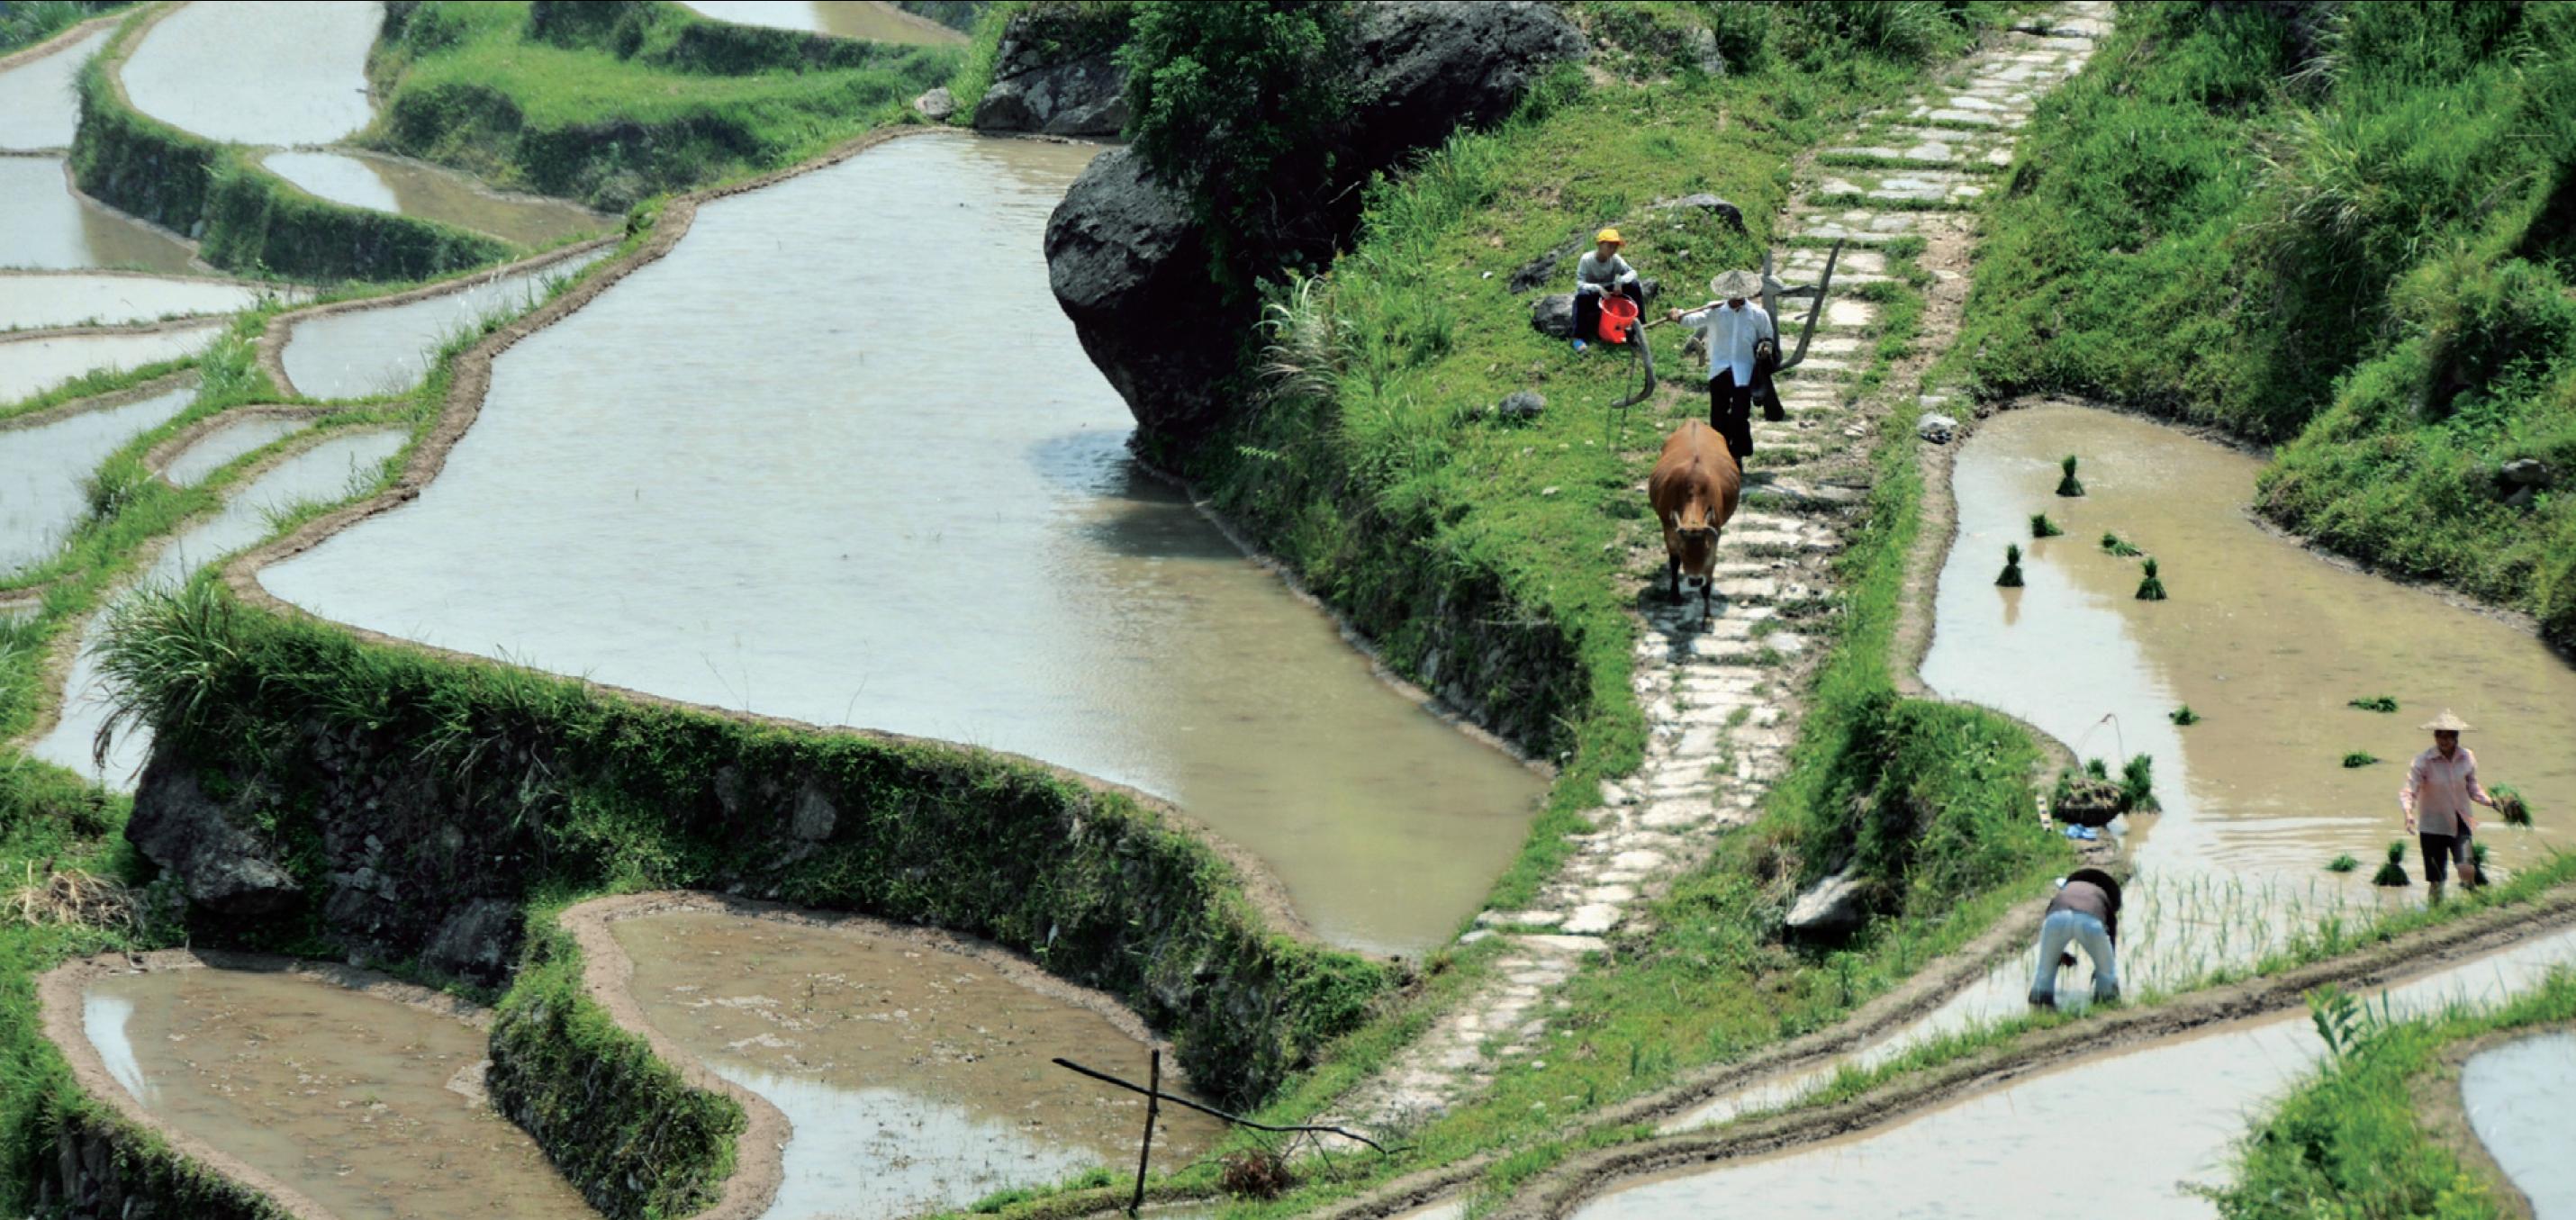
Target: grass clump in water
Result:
[2042, 527]
[2393, 871]
[2375, 703]
[2011, 577]
[2344, 863]
[2359, 758]
[2116, 545]
[2183, 715]
[2151, 587]
[2067, 483]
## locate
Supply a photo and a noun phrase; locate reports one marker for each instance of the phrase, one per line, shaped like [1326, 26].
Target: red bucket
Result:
[1618, 317]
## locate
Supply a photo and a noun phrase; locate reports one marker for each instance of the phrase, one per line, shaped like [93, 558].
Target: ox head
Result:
[1694, 543]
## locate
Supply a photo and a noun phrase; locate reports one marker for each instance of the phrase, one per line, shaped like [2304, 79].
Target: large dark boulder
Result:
[1131, 269]
[1055, 72]
[224, 869]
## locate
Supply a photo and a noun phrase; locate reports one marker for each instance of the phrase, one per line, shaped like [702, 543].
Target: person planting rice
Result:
[1735, 327]
[2440, 786]
[1599, 273]
[2086, 912]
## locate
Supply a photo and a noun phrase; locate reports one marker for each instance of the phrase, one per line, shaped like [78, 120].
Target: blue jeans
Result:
[2061, 927]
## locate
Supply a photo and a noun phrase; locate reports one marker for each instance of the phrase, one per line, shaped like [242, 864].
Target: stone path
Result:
[1721, 700]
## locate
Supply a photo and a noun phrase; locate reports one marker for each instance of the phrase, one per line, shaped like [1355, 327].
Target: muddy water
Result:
[2263, 639]
[44, 226]
[2173, 1112]
[35, 301]
[391, 184]
[218, 447]
[43, 470]
[2521, 1100]
[370, 1107]
[361, 352]
[869, 19]
[258, 73]
[916, 1077]
[37, 106]
[30, 365]
[324, 472]
[925, 522]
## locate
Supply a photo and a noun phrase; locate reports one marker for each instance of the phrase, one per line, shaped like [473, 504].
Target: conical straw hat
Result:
[2447, 723]
[1736, 284]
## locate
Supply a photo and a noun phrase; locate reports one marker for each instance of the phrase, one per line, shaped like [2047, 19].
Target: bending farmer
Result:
[2087, 912]
[1601, 272]
[1735, 327]
[2440, 787]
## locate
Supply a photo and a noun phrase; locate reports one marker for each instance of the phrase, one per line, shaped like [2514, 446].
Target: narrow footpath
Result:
[1722, 701]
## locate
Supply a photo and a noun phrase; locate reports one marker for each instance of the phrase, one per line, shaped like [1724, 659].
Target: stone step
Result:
[1857, 225]
[1908, 186]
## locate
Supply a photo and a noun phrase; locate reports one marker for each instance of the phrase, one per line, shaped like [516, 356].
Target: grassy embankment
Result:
[25, 25]
[611, 103]
[2361, 250]
[2352, 1142]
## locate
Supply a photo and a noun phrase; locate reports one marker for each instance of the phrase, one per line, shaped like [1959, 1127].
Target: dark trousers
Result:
[2441, 851]
[1587, 310]
[1730, 411]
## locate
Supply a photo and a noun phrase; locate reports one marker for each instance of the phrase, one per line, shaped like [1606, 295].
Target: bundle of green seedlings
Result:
[2068, 484]
[2375, 703]
[2011, 577]
[2042, 527]
[2393, 873]
[2119, 546]
[2509, 802]
[2344, 863]
[2183, 715]
[2359, 758]
[2151, 587]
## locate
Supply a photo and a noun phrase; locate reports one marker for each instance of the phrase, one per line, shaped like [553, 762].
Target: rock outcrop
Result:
[1833, 907]
[224, 869]
[1128, 262]
[1055, 73]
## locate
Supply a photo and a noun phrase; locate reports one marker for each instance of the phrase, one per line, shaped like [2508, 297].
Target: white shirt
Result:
[1604, 276]
[1731, 336]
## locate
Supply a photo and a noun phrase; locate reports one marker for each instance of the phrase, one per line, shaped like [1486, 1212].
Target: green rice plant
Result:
[2151, 587]
[2344, 863]
[2393, 873]
[2068, 484]
[2011, 577]
[2359, 758]
[2375, 703]
[2042, 527]
[2510, 802]
[2096, 768]
[2183, 715]
[2138, 785]
[2119, 546]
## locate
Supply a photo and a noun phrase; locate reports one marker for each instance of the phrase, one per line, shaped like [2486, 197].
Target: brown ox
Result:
[1693, 489]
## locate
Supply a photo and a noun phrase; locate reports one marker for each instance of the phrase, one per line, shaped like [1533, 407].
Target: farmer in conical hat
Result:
[1735, 325]
[2441, 784]
[1599, 273]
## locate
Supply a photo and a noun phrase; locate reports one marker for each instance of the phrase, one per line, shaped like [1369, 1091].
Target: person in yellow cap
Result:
[1601, 272]
[2440, 786]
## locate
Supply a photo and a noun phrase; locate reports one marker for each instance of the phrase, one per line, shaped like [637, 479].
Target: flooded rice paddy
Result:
[247, 72]
[393, 184]
[2124, 1130]
[226, 442]
[371, 1107]
[32, 301]
[915, 1074]
[322, 473]
[868, 19]
[44, 226]
[355, 353]
[925, 522]
[37, 106]
[45, 470]
[32, 364]
[2521, 1101]
[2263, 639]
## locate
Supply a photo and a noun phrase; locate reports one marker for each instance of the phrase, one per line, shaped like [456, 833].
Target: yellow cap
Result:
[1609, 235]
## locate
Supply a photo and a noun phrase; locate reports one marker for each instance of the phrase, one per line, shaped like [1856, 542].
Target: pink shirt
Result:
[2440, 790]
